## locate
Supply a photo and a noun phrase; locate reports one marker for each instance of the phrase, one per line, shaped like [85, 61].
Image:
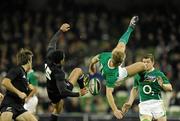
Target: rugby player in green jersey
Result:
[149, 85]
[32, 100]
[110, 66]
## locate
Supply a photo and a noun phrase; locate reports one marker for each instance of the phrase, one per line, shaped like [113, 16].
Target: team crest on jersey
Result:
[24, 76]
[150, 78]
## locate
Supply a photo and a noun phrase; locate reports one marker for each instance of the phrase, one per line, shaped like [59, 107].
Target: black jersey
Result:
[53, 74]
[56, 82]
[19, 80]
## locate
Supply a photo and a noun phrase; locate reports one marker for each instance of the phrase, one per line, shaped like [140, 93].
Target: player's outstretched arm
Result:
[92, 65]
[52, 44]
[62, 87]
[121, 46]
[132, 97]
[117, 113]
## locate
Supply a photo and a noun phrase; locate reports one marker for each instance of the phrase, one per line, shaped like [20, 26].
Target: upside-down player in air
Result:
[110, 66]
[58, 87]
[149, 84]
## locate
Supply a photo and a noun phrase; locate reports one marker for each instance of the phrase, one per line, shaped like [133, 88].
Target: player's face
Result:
[148, 63]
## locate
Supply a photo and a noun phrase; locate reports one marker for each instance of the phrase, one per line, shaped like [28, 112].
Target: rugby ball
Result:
[94, 86]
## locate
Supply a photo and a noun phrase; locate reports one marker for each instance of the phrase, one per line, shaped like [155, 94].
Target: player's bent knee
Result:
[78, 70]
[7, 116]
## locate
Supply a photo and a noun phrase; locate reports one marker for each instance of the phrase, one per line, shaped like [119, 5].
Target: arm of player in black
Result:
[6, 82]
[52, 44]
[53, 41]
[62, 87]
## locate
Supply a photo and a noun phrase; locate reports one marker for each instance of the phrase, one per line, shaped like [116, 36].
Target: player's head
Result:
[57, 57]
[148, 59]
[117, 57]
[24, 57]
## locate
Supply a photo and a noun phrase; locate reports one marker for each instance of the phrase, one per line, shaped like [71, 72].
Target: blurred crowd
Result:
[93, 30]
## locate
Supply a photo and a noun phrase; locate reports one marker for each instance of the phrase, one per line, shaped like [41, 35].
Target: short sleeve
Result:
[110, 82]
[12, 74]
[164, 78]
[100, 55]
[136, 80]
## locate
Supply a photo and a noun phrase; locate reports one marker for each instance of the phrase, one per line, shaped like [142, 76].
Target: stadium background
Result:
[96, 27]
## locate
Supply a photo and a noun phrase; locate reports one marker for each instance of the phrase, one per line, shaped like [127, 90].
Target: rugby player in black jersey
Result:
[17, 89]
[58, 87]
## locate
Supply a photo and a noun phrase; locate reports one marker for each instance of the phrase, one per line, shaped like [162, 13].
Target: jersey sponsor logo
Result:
[48, 72]
[24, 76]
[147, 89]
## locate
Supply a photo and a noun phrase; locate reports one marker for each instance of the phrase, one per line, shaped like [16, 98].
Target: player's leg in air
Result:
[75, 77]
[118, 53]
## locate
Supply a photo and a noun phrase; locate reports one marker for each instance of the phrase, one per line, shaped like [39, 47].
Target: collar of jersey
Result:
[108, 64]
[151, 70]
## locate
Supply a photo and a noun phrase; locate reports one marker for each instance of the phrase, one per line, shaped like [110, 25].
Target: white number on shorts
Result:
[48, 72]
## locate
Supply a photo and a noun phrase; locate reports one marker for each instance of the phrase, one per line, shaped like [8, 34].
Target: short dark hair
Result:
[23, 56]
[117, 57]
[149, 55]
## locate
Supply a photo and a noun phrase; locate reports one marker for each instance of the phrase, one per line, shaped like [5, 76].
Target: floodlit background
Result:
[96, 27]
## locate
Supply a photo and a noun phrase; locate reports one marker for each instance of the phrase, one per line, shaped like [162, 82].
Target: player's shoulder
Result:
[15, 69]
[137, 77]
[105, 54]
[159, 72]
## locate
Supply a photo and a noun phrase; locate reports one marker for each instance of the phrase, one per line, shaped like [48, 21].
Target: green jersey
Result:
[148, 86]
[32, 78]
[110, 74]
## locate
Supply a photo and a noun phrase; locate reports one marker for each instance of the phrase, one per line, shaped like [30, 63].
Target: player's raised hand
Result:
[65, 27]
[125, 108]
[118, 114]
[22, 95]
[134, 21]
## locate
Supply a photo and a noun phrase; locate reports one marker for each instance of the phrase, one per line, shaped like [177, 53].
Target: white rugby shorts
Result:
[154, 108]
[31, 104]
